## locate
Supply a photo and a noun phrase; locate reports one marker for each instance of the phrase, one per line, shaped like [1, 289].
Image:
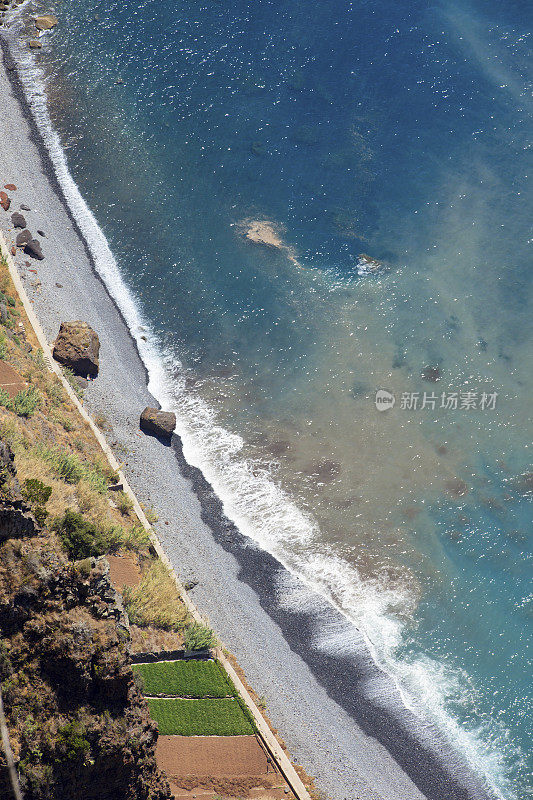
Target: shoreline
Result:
[228, 557]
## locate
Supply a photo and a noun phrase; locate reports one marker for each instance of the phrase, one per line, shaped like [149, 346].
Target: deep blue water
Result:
[398, 130]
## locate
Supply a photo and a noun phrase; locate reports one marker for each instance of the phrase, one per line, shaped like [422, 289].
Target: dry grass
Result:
[57, 447]
[156, 600]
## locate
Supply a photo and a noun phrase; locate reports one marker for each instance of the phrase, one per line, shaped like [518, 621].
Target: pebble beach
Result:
[318, 703]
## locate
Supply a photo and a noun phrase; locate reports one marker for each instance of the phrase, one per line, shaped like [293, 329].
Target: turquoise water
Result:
[402, 133]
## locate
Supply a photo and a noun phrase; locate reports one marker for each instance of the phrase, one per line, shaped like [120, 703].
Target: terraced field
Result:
[221, 717]
[184, 679]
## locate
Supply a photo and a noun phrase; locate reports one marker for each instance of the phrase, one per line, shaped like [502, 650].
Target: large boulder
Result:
[77, 346]
[158, 423]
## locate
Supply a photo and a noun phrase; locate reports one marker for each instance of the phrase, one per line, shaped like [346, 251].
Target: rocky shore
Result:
[338, 737]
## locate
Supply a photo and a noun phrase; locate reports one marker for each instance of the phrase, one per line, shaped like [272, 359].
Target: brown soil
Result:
[10, 380]
[187, 757]
[153, 640]
[124, 571]
[255, 793]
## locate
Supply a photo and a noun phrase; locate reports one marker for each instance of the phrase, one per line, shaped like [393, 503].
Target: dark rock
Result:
[18, 220]
[41, 233]
[77, 346]
[59, 285]
[24, 207]
[456, 487]
[431, 374]
[23, 238]
[33, 248]
[159, 423]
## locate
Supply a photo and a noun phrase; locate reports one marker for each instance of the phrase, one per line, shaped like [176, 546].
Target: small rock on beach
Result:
[18, 220]
[23, 238]
[5, 202]
[33, 248]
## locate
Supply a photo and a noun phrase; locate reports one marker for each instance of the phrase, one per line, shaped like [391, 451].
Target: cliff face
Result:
[78, 726]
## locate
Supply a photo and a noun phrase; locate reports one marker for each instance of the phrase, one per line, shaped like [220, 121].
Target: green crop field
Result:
[184, 679]
[199, 717]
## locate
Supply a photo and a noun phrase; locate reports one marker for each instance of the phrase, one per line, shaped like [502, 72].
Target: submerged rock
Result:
[18, 220]
[33, 248]
[45, 22]
[77, 346]
[159, 423]
[456, 487]
[431, 374]
[366, 265]
[35, 44]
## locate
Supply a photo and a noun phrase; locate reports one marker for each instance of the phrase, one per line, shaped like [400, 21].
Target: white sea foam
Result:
[263, 511]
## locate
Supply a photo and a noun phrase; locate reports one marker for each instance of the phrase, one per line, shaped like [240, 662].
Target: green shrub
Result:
[24, 404]
[80, 538]
[35, 491]
[37, 494]
[198, 637]
[71, 743]
[3, 346]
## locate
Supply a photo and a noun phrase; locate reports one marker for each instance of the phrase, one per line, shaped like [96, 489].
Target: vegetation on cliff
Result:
[78, 726]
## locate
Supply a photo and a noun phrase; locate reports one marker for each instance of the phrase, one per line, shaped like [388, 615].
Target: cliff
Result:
[78, 726]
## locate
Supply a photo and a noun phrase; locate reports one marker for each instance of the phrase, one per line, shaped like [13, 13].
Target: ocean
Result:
[378, 153]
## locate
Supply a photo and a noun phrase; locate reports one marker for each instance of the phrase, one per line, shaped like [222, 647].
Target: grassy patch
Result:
[200, 717]
[71, 469]
[24, 404]
[184, 679]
